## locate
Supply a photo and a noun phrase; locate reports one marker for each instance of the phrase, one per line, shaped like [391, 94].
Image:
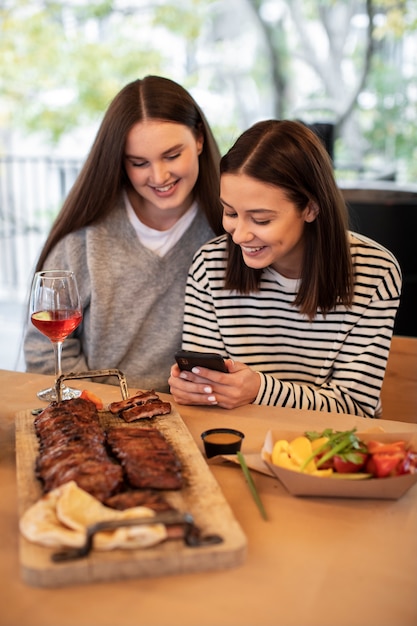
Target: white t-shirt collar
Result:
[160, 241]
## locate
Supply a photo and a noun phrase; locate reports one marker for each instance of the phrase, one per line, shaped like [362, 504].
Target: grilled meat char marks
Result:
[144, 404]
[151, 408]
[147, 458]
[139, 398]
[72, 447]
[142, 497]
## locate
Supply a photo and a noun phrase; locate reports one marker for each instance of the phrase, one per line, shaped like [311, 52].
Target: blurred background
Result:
[348, 68]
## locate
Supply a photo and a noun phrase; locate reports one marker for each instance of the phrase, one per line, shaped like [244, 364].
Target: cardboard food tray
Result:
[300, 484]
[201, 497]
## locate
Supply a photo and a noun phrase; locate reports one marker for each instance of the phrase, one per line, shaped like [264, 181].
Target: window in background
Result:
[348, 68]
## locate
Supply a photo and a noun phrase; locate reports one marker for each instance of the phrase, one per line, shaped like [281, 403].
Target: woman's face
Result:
[161, 161]
[267, 226]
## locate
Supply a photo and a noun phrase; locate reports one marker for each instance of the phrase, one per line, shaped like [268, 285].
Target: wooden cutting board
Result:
[201, 497]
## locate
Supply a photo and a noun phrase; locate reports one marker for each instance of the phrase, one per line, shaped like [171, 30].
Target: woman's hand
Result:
[207, 387]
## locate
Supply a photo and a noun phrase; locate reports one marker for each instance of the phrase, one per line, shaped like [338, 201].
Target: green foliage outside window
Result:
[62, 62]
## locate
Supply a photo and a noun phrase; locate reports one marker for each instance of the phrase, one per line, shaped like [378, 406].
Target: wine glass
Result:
[55, 311]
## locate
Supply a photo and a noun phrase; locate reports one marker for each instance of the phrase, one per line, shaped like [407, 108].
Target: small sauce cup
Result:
[221, 441]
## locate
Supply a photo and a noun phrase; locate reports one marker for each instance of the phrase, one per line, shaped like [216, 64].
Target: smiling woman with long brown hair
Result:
[302, 308]
[145, 200]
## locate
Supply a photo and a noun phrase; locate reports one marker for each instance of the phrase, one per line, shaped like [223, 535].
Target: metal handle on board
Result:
[92, 374]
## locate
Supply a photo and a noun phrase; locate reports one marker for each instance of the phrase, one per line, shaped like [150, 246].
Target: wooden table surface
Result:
[315, 561]
[399, 389]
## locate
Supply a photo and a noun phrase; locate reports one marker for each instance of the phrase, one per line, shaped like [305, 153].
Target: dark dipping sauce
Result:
[222, 441]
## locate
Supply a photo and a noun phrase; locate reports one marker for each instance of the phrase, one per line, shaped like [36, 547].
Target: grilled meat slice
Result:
[60, 441]
[146, 497]
[72, 447]
[51, 457]
[84, 409]
[147, 458]
[144, 404]
[152, 408]
[139, 398]
[65, 423]
[98, 478]
[153, 471]
[96, 474]
[124, 440]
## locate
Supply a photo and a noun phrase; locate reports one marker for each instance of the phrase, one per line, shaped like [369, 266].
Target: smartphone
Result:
[187, 359]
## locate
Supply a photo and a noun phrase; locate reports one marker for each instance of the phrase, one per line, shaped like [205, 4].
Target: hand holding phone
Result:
[187, 359]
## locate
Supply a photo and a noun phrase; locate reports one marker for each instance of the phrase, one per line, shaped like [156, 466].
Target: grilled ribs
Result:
[139, 398]
[143, 497]
[72, 447]
[152, 408]
[146, 457]
[144, 404]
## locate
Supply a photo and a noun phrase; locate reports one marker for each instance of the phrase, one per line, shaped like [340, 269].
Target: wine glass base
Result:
[67, 393]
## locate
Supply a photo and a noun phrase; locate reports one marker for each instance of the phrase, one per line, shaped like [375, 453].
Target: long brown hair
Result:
[103, 175]
[290, 156]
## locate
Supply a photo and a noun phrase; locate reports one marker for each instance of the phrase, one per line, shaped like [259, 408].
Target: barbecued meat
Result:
[145, 497]
[139, 398]
[144, 404]
[77, 407]
[149, 409]
[72, 447]
[147, 458]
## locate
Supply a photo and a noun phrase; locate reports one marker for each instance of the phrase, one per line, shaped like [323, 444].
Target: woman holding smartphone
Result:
[145, 200]
[301, 308]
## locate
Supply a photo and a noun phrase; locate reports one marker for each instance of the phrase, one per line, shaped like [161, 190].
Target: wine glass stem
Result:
[57, 353]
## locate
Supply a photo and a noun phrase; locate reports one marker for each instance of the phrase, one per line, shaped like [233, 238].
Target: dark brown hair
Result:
[290, 156]
[103, 175]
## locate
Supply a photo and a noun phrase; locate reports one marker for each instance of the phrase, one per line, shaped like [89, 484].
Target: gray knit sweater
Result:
[132, 302]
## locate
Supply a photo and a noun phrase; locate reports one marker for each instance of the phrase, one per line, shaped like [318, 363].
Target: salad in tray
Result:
[344, 454]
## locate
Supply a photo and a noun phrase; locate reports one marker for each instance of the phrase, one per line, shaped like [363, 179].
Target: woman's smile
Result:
[252, 250]
[166, 190]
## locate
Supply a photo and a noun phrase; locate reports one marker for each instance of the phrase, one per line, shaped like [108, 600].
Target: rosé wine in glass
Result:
[56, 325]
[56, 312]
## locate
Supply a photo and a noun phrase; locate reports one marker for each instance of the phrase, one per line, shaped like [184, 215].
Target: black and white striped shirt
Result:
[336, 363]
